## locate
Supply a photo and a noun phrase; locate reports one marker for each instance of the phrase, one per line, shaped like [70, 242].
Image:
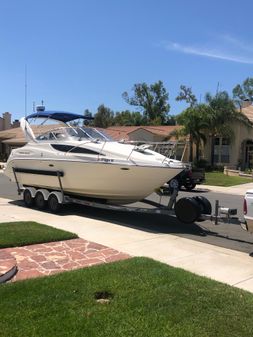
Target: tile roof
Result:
[122, 132]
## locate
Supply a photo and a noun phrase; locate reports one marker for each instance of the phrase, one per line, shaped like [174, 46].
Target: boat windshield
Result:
[74, 133]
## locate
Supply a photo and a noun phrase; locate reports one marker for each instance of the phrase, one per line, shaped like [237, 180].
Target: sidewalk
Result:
[234, 190]
[224, 265]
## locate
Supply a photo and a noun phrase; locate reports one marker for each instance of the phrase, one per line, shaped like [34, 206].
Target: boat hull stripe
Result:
[40, 172]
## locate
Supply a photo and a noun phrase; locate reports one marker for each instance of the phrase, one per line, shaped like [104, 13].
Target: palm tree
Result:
[193, 124]
[221, 115]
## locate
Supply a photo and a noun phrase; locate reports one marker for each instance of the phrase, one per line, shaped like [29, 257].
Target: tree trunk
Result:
[197, 151]
[212, 150]
[191, 149]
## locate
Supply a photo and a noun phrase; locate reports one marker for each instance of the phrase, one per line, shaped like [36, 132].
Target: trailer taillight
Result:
[245, 210]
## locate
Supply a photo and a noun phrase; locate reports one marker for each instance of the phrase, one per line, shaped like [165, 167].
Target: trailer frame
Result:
[59, 198]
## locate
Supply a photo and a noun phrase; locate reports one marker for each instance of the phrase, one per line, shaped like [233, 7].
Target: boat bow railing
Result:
[170, 149]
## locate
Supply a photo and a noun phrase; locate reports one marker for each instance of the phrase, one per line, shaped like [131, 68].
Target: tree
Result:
[221, 115]
[104, 117]
[186, 95]
[87, 113]
[151, 100]
[137, 118]
[123, 118]
[171, 120]
[128, 118]
[193, 121]
[243, 92]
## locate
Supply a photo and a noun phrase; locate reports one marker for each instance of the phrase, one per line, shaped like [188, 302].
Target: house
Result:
[235, 153]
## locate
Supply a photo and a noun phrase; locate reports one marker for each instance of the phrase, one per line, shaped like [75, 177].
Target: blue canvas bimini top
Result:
[58, 115]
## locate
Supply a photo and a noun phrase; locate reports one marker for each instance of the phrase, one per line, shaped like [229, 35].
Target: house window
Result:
[216, 141]
[221, 150]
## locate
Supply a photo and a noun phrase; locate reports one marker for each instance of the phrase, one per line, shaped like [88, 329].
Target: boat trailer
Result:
[187, 209]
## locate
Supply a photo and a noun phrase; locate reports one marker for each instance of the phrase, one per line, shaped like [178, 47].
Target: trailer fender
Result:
[58, 195]
[32, 190]
[44, 192]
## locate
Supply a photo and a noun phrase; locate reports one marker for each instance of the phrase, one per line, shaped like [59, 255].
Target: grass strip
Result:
[16, 234]
[220, 179]
[146, 299]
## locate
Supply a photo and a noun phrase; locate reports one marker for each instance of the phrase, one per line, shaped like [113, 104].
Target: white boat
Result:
[89, 162]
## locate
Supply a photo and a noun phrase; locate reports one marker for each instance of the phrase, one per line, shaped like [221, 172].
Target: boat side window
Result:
[96, 134]
[77, 133]
[51, 135]
[74, 149]
[44, 136]
[60, 135]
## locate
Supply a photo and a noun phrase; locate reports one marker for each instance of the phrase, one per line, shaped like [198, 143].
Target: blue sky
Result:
[82, 53]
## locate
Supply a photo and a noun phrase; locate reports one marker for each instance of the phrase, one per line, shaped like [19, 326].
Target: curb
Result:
[8, 266]
[9, 274]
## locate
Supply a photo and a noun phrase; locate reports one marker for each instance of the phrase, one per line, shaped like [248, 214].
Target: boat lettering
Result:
[106, 160]
[23, 152]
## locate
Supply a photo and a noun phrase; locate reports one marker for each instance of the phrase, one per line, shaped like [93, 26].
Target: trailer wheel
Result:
[205, 204]
[28, 199]
[187, 210]
[40, 201]
[53, 204]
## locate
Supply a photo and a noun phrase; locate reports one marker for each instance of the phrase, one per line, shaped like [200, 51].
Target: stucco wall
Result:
[236, 150]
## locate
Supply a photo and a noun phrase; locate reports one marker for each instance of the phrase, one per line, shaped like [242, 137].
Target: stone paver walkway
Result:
[54, 257]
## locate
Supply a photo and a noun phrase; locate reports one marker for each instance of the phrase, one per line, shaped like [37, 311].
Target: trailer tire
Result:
[206, 205]
[40, 201]
[28, 199]
[187, 210]
[53, 204]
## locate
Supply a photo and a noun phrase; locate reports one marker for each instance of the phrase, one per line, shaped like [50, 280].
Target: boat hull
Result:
[115, 183]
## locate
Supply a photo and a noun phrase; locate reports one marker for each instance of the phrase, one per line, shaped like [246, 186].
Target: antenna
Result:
[218, 88]
[25, 90]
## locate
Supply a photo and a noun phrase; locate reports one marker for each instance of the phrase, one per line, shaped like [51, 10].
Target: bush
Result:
[219, 168]
[201, 163]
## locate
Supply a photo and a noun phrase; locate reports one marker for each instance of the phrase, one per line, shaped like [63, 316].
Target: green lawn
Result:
[13, 234]
[220, 179]
[147, 299]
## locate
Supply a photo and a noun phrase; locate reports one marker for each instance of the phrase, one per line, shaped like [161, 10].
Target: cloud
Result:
[240, 44]
[227, 54]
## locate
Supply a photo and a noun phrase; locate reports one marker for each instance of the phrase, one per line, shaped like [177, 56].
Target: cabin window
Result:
[72, 149]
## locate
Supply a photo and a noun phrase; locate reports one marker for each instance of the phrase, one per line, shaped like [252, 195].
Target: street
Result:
[225, 235]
